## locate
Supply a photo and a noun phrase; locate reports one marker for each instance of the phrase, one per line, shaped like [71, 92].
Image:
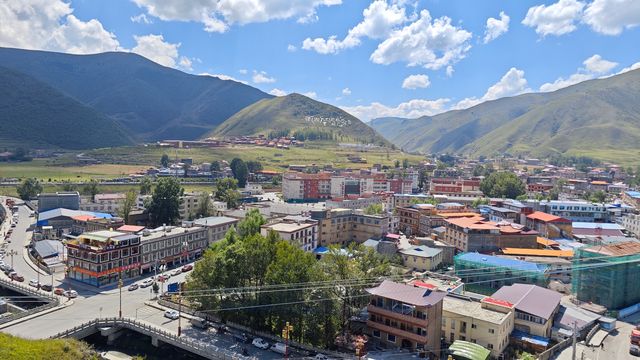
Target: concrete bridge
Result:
[112, 329]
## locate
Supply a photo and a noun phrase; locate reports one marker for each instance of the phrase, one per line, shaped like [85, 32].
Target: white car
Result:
[70, 294]
[34, 283]
[146, 283]
[177, 271]
[260, 344]
[172, 314]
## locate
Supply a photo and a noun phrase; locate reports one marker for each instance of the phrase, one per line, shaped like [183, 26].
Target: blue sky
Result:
[372, 58]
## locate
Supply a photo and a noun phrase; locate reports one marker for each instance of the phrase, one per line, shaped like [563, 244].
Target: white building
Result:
[299, 230]
[105, 203]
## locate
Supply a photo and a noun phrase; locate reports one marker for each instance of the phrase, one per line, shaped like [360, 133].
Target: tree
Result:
[251, 223]
[68, 186]
[254, 166]
[479, 201]
[29, 188]
[227, 190]
[165, 202]
[374, 209]
[502, 185]
[145, 185]
[396, 164]
[215, 166]
[422, 179]
[164, 160]
[240, 171]
[598, 196]
[91, 189]
[128, 203]
[204, 206]
[405, 163]
[185, 169]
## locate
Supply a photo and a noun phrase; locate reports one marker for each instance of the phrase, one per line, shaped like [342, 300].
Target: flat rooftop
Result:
[176, 231]
[473, 309]
[288, 227]
[215, 220]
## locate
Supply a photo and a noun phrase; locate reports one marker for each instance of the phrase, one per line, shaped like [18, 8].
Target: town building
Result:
[491, 272]
[108, 203]
[342, 226]
[217, 226]
[421, 258]
[607, 275]
[90, 223]
[409, 217]
[455, 187]
[404, 316]
[549, 226]
[498, 214]
[631, 223]
[405, 200]
[300, 231]
[60, 221]
[103, 257]
[632, 198]
[476, 234]
[488, 322]
[535, 307]
[189, 204]
[171, 245]
[575, 210]
[60, 199]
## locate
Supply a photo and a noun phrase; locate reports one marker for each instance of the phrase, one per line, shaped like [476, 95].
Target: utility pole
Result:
[179, 313]
[573, 342]
[11, 253]
[286, 332]
[120, 287]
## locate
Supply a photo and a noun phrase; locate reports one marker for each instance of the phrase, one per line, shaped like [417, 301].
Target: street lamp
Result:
[286, 333]
[11, 253]
[120, 287]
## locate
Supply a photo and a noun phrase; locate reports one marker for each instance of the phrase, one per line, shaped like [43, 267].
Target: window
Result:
[376, 333]
[492, 331]
[490, 346]
[391, 338]
[473, 326]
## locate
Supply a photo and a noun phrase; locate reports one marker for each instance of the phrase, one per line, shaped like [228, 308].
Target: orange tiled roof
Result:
[542, 216]
[537, 252]
[546, 242]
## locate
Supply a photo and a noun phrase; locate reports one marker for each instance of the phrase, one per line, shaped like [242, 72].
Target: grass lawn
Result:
[16, 348]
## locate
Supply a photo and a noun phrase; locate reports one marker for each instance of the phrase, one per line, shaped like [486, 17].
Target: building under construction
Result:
[607, 274]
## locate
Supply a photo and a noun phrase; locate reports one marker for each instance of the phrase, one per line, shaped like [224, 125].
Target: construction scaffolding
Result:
[607, 275]
[495, 272]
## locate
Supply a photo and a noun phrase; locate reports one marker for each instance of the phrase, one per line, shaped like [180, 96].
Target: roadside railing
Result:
[15, 286]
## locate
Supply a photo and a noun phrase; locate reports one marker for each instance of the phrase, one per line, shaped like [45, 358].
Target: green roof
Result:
[466, 350]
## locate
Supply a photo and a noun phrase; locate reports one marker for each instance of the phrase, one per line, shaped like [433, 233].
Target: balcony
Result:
[397, 332]
[396, 315]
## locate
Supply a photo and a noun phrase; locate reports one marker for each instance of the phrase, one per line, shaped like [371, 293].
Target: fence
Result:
[51, 300]
[547, 354]
[591, 332]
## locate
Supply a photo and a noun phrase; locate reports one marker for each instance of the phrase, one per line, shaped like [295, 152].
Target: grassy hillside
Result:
[152, 101]
[34, 114]
[297, 113]
[599, 118]
[15, 348]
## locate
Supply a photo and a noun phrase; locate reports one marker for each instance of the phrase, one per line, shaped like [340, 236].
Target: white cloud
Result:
[277, 92]
[291, 48]
[51, 25]
[154, 48]
[185, 63]
[416, 81]
[630, 68]
[512, 83]
[410, 109]
[311, 94]
[611, 17]
[141, 19]
[593, 67]
[223, 77]
[496, 27]
[555, 19]
[379, 19]
[243, 71]
[597, 65]
[218, 15]
[426, 43]
[449, 71]
[346, 91]
[261, 77]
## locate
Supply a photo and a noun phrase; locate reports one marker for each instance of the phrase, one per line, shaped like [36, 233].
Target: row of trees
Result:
[318, 306]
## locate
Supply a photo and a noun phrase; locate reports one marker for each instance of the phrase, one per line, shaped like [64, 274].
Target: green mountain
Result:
[151, 101]
[599, 118]
[299, 116]
[34, 114]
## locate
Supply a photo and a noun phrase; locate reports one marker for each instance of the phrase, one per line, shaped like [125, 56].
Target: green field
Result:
[12, 347]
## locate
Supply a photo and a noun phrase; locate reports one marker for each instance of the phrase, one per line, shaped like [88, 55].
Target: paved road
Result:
[616, 346]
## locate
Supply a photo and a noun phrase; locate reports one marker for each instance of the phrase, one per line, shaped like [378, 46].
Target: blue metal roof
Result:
[44, 216]
[592, 225]
[634, 194]
[501, 262]
[531, 339]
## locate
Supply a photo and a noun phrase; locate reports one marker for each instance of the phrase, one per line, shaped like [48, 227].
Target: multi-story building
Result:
[574, 210]
[299, 230]
[102, 257]
[60, 199]
[421, 258]
[306, 187]
[189, 203]
[404, 199]
[476, 234]
[90, 223]
[342, 226]
[486, 271]
[498, 214]
[404, 316]
[632, 198]
[607, 275]
[109, 203]
[217, 226]
[409, 217]
[171, 245]
[488, 322]
[535, 307]
[358, 202]
[631, 222]
[451, 186]
[549, 226]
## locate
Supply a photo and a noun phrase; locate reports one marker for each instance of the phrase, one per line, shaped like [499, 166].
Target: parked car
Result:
[16, 277]
[34, 283]
[58, 291]
[187, 267]
[177, 271]
[260, 344]
[172, 314]
[242, 337]
[280, 348]
[46, 287]
[133, 287]
[146, 283]
[199, 323]
[70, 294]
[162, 278]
